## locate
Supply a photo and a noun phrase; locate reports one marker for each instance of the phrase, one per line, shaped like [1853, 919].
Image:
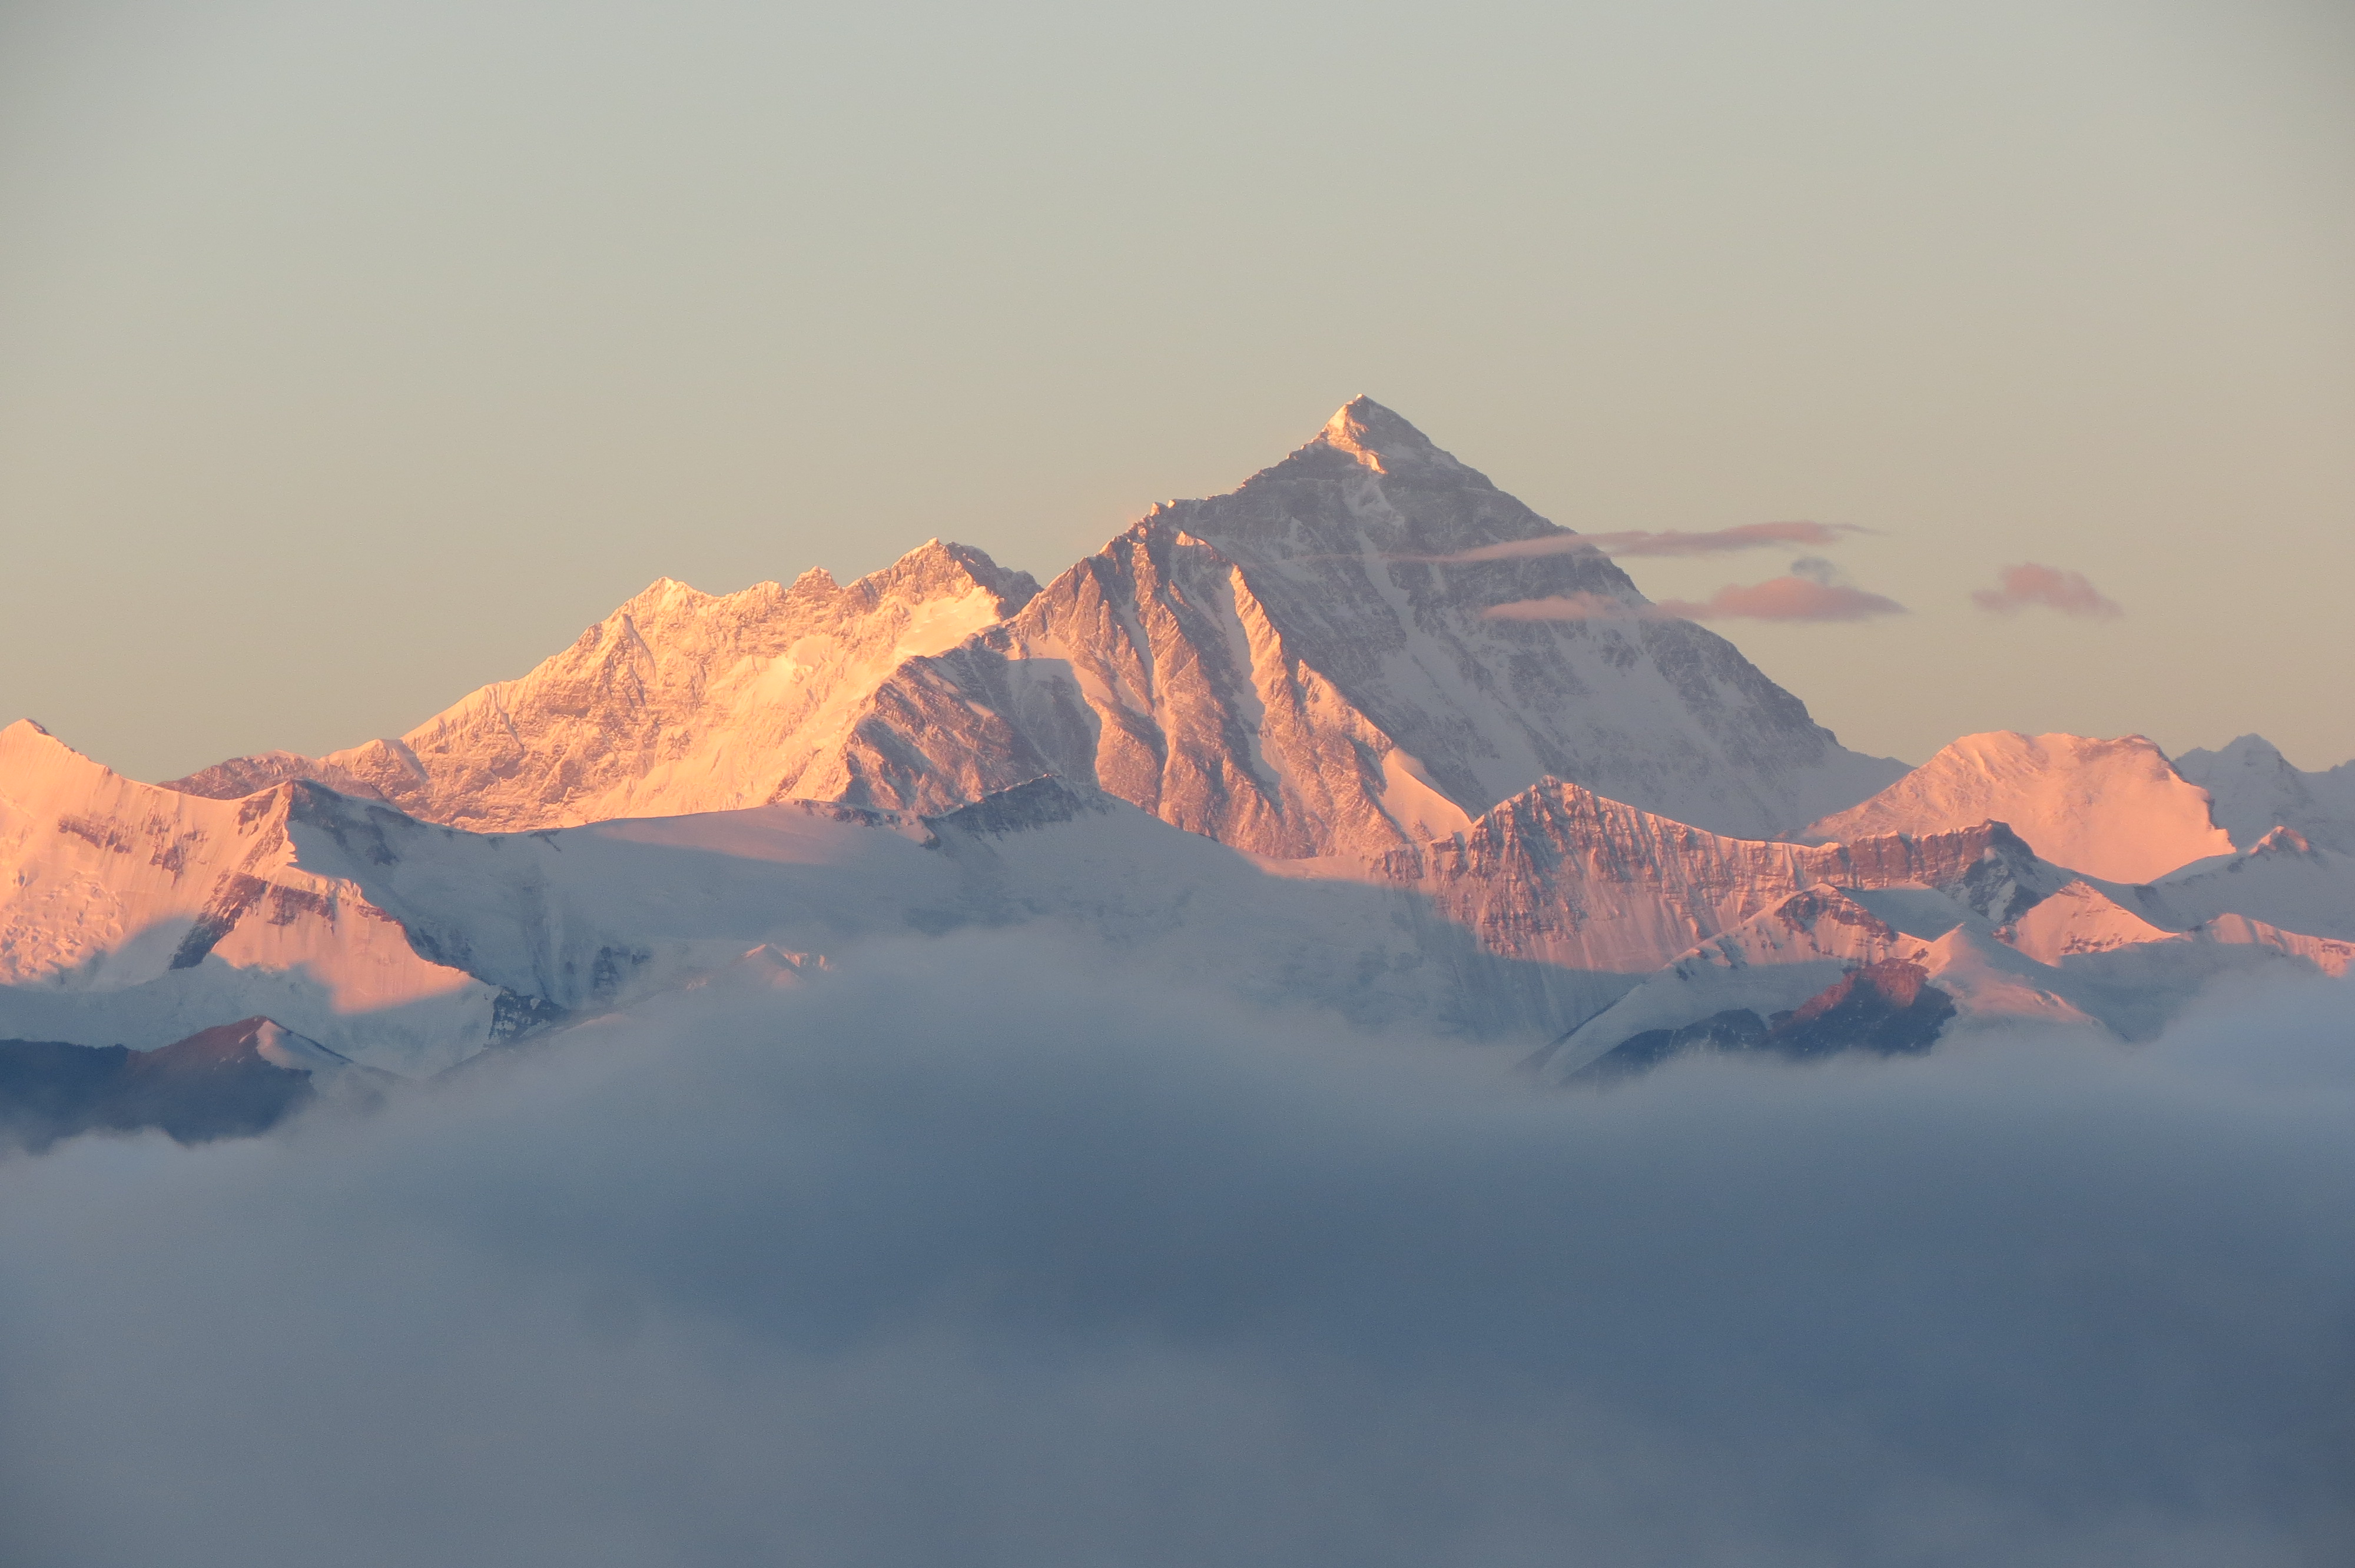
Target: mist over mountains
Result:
[1262, 1049]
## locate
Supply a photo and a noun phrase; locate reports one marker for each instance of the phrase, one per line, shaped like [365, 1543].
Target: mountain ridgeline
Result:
[1338, 739]
[1305, 666]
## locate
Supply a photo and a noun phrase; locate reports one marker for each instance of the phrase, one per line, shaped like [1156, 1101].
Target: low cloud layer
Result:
[981, 1252]
[2021, 587]
[1664, 542]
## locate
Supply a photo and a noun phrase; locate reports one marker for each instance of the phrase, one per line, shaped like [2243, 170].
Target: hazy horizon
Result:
[355, 356]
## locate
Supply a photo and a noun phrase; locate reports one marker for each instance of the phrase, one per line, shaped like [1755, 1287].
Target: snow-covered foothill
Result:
[2080, 918]
[2283, 881]
[409, 946]
[1562, 875]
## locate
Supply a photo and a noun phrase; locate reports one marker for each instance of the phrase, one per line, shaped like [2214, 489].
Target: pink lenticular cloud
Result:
[2027, 583]
[1777, 598]
[1644, 542]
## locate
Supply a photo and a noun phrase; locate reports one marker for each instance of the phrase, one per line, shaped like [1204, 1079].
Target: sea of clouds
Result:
[986, 1250]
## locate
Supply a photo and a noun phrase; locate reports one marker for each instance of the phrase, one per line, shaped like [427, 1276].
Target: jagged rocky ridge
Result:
[1559, 919]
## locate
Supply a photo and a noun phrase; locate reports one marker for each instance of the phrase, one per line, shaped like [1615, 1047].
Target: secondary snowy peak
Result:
[2077, 919]
[1310, 665]
[679, 700]
[2256, 789]
[2112, 809]
[2285, 881]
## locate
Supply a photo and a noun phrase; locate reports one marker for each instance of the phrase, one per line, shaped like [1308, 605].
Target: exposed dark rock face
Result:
[212, 1084]
[1889, 1009]
[1042, 803]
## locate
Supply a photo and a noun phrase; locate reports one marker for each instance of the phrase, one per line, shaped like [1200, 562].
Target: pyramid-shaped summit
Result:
[1367, 434]
[1306, 666]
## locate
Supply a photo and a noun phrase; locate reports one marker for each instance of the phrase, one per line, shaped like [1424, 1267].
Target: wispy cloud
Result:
[1809, 593]
[2030, 584]
[1746, 536]
[1666, 541]
[1573, 607]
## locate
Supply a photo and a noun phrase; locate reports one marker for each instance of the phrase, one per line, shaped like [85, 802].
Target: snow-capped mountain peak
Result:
[1311, 664]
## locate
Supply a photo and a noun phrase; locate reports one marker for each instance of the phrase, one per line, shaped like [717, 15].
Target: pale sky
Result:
[355, 355]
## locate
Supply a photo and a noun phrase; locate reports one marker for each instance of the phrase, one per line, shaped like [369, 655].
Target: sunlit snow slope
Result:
[677, 702]
[2111, 808]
